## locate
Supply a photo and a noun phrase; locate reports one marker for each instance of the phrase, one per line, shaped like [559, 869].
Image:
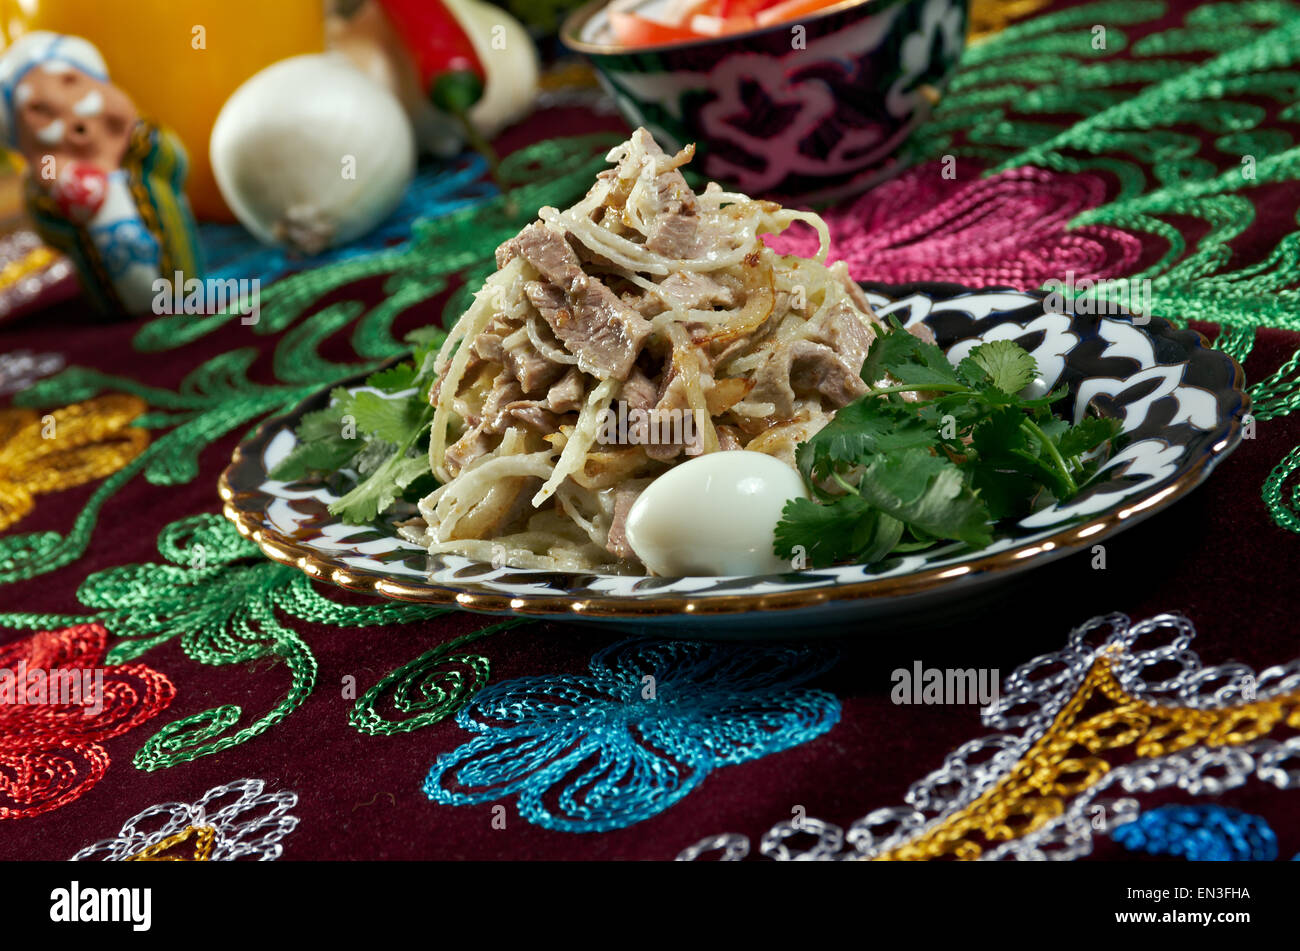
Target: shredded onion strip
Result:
[547, 499]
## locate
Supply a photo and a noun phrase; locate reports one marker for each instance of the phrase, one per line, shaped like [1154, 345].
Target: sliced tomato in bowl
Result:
[699, 19]
[632, 30]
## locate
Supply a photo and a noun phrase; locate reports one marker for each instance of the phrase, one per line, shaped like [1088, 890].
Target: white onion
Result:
[310, 152]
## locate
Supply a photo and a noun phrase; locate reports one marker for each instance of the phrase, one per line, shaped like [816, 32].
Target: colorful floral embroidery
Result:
[1093, 721]
[50, 752]
[1008, 230]
[651, 721]
[65, 448]
[233, 821]
[1200, 833]
[430, 688]
[222, 596]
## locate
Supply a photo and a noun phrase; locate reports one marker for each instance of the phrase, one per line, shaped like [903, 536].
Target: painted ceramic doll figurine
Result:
[104, 186]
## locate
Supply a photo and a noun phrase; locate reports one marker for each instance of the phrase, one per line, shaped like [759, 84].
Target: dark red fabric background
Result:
[1216, 557]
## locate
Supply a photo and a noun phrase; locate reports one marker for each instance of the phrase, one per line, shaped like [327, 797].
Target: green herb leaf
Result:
[861, 429]
[1089, 433]
[394, 379]
[321, 446]
[826, 533]
[944, 467]
[923, 490]
[392, 420]
[1009, 366]
[907, 359]
[322, 455]
[377, 493]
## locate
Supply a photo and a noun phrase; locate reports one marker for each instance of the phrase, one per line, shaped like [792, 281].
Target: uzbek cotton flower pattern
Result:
[63, 449]
[644, 728]
[235, 820]
[50, 752]
[1011, 229]
[227, 605]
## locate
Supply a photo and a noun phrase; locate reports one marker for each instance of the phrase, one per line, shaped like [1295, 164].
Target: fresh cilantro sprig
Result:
[889, 475]
[383, 439]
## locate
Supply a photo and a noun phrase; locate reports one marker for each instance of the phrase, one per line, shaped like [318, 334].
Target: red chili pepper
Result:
[448, 67]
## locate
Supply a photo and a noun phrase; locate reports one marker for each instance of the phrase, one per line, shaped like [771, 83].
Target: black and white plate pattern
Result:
[1181, 404]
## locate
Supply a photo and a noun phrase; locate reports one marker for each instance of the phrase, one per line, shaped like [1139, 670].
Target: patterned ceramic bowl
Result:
[814, 109]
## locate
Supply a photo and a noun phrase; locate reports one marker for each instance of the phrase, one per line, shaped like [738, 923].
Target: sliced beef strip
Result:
[617, 544]
[814, 366]
[533, 371]
[674, 231]
[639, 391]
[504, 394]
[507, 404]
[487, 346]
[841, 329]
[695, 291]
[588, 256]
[566, 395]
[675, 226]
[859, 296]
[803, 367]
[536, 417]
[592, 323]
[772, 383]
[506, 252]
[856, 293]
[473, 444]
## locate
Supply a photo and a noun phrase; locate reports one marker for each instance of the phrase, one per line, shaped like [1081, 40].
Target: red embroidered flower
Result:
[56, 705]
[1011, 229]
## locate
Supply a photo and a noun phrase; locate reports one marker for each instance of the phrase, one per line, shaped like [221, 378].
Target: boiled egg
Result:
[714, 515]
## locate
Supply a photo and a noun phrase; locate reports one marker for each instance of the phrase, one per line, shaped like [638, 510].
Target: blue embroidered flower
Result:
[598, 752]
[1200, 833]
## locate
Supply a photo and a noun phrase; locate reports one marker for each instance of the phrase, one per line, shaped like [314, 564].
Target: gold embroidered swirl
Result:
[65, 448]
[1100, 727]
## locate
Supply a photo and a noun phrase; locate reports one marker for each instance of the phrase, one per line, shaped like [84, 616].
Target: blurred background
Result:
[181, 63]
[300, 132]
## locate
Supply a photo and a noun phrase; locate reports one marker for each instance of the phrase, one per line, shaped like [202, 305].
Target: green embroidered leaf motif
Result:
[432, 687]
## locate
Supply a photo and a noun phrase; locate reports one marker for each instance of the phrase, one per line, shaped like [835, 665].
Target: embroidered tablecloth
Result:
[1149, 701]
